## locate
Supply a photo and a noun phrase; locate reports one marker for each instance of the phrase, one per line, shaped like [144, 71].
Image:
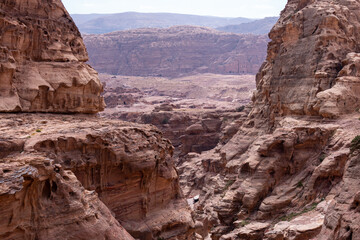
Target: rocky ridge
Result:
[73, 162]
[175, 51]
[74, 176]
[313, 50]
[42, 59]
[289, 171]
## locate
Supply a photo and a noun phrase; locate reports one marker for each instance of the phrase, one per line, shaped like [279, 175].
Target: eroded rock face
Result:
[42, 61]
[309, 69]
[291, 177]
[176, 51]
[64, 165]
[41, 200]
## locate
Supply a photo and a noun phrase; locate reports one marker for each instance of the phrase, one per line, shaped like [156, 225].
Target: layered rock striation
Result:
[42, 61]
[175, 51]
[311, 61]
[290, 170]
[85, 176]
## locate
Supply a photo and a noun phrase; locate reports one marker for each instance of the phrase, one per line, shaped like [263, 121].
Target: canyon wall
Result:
[290, 170]
[74, 176]
[175, 51]
[43, 59]
[311, 66]
[83, 176]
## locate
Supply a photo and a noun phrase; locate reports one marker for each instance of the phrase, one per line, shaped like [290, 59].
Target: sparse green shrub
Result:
[165, 121]
[240, 109]
[293, 215]
[244, 223]
[228, 184]
[322, 157]
[300, 184]
[355, 144]
[38, 130]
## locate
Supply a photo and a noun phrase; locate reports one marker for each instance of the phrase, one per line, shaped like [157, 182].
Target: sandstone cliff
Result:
[74, 176]
[182, 50]
[43, 59]
[54, 173]
[290, 170]
[311, 66]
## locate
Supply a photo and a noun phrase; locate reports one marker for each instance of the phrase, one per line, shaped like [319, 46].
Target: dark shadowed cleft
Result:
[355, 144]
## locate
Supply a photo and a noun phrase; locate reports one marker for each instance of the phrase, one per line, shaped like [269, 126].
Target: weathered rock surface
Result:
[175, 51]
[312, 62]
[41, 200]
[282, 176]
[42, 61]
[49, 164]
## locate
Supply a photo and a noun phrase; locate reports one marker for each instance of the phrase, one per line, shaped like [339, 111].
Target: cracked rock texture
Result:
[312, 62]
[291, 170]
[42, 61]
[55, 172]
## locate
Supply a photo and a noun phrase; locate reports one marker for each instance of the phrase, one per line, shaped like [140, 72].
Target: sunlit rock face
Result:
[42, 61]
[312, 62]
[88, 177]
[289, 173]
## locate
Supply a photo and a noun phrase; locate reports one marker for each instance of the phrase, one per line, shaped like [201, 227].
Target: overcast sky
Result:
[222, 8]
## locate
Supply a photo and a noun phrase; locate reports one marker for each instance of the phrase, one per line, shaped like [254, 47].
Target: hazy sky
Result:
[222, 8]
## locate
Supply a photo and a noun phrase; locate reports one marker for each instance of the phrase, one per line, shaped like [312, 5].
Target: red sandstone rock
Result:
[42, 61]
[127, 166]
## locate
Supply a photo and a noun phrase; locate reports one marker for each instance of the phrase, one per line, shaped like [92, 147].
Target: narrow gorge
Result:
[285, 166]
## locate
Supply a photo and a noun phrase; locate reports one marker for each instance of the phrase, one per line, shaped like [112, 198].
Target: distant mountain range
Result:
[261, 26]
[105, 23]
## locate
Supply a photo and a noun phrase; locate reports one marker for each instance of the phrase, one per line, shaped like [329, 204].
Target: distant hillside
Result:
[262, 26]
[175, 51]
[105, 23]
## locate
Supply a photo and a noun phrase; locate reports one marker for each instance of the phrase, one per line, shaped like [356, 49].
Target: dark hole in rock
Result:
[46, 191]
[54, 187]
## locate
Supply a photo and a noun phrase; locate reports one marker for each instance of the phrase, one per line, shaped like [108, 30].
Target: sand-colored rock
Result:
[128, 167]
[175, 51]
[286, 158]
[42, 61]
[41, 200]
[305, 71]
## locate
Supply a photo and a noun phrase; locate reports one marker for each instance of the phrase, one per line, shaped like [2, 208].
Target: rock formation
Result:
[74, 176]
[54, 173]
[42, 59]
[311, 61]
[175, 51]
[290, 170]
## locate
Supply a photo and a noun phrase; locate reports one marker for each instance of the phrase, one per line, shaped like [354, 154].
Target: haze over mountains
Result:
[261, 26]
[105, 23]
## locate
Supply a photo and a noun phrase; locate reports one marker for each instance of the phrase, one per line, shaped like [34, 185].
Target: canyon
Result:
[175, 51]
[67, 175]
[282, 166]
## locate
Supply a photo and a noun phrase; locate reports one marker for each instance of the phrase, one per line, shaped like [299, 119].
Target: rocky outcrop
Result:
[41, 200]
[175, 51]
[42, 61]
[290, 170]
[126, 166]
[311, 59]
